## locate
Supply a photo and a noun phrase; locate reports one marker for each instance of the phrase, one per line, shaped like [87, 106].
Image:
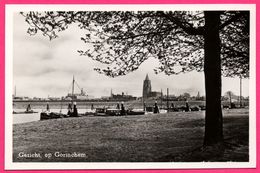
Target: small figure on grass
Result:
[75, 110]
[28, 109]
[117, 105]
[92, 107]
[69, 110]
[122, 111]
[187, 107]
[156, 108]
[172, 105]
[48, 107]
[144, 106]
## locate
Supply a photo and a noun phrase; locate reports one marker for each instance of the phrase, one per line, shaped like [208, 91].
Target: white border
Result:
[9, 165]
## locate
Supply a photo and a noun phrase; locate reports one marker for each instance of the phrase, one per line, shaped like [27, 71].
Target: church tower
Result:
[147, 87]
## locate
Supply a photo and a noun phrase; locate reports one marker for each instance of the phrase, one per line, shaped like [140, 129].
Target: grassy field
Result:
[176, 136]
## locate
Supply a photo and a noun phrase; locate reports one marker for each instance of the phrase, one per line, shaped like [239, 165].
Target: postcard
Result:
[130, 86]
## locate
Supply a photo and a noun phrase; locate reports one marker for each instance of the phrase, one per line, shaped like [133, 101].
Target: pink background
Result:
[2, 73]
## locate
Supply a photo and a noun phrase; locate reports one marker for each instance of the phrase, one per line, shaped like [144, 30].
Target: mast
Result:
[167, 99]
[73, 83]
[15, 91]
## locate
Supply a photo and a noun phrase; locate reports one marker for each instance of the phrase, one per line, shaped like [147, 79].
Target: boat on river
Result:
[135, 112]
[28, 110]
[52, 115]
[116, 112]
[25, 112]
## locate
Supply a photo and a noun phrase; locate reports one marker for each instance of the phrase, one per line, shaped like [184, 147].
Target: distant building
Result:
[147, 90]
[170, 98]
[198, 95]
[21, 98]
[17, 98]
[147, 87]
[53, 98]
[121, 97]
[79, 96]
[106, 98]
[37, 98]
[154, 94]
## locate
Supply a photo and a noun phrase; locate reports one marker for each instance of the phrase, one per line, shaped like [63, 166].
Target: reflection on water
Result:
[24, 118]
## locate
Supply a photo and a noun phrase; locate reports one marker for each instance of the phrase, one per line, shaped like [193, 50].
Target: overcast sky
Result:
[42, 67]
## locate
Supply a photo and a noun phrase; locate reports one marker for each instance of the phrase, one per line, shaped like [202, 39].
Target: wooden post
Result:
[167, 99]
[161, 99]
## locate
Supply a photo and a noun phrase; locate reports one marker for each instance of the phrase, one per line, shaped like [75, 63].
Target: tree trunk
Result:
[212, 70]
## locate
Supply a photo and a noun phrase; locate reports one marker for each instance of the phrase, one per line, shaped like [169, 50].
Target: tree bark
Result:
[212, 71]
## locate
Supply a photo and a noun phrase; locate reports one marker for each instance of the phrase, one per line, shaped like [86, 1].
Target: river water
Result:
[82, 107]
[24, 118]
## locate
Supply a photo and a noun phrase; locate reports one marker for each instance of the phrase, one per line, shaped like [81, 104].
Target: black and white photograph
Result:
[131, 85]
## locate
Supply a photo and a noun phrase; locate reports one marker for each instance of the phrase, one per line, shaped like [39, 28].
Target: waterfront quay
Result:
[86, 104]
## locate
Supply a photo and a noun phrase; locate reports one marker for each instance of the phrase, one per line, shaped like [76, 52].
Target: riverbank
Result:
[176, 136]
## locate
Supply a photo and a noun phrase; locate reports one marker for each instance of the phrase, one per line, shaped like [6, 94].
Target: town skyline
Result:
[117, 92]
